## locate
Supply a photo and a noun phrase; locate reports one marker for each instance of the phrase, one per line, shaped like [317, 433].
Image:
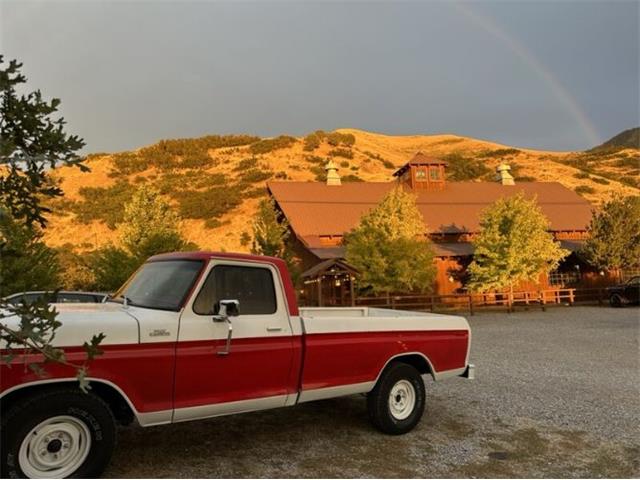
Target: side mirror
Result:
[228, 308]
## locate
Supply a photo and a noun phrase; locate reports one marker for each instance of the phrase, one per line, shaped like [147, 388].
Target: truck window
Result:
[252, 286]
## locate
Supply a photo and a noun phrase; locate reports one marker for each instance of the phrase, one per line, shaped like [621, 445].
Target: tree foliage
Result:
[149, 227]
[389, 247]
[26, 262]
[614, 235]
[513, 245]
[270, 233]
[32, 142]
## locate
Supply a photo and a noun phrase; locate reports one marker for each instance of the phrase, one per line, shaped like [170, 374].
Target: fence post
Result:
[471, 305]
[393, 303]
[431, 306]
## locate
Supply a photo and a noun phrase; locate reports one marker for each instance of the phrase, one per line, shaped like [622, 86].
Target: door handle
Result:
[274, 329]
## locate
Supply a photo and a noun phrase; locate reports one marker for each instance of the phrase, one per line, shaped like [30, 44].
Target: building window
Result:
[434, 174]
[421, 175]
[564, 278]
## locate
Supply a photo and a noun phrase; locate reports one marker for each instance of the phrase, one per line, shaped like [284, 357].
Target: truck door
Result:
[254, 373]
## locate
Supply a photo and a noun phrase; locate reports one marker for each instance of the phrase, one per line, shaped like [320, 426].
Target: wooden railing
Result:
[472, 302]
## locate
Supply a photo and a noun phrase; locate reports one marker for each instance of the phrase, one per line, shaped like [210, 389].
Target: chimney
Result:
[503, 176]
[332, 174]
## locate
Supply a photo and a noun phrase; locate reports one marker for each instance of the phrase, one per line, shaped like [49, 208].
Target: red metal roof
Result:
[316, 209]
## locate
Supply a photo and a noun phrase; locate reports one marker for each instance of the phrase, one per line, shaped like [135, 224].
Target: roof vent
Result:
[503, 176]
[332, 173]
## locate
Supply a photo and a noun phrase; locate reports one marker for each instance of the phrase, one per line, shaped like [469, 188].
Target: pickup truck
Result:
[201, 334]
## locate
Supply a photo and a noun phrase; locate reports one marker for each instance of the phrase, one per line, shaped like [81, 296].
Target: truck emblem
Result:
[159, 332]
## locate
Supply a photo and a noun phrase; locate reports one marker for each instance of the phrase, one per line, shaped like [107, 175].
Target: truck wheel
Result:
[615, 300]
[57, 433]
[396, 404]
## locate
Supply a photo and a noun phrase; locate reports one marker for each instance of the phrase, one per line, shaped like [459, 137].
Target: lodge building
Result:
[319, 214]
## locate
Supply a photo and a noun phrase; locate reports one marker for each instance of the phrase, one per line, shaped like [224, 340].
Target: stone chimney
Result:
[332, 173]
[503, 176]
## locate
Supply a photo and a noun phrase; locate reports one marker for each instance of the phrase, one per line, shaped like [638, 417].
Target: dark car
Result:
[627, 293]
[61, 297]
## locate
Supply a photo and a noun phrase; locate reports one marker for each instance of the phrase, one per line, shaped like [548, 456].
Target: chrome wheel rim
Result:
[402, 400]
[55, 448]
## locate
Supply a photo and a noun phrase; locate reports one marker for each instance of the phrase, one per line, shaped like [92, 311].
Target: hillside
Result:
[627, 139]
[215, 182]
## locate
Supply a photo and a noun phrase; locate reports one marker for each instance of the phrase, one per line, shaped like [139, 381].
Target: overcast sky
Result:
[550, 75]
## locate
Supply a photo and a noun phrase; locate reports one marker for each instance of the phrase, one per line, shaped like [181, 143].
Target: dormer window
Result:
[422, 172]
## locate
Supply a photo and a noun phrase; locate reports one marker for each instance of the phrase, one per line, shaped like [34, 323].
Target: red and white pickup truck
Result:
[201, 334]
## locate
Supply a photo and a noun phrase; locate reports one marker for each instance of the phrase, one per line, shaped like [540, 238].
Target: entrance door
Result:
[254, 374]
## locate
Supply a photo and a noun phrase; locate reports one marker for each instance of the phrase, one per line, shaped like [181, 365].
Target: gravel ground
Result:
[557, 394]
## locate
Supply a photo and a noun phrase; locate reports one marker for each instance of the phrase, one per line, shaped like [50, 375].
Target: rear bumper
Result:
[470, 372]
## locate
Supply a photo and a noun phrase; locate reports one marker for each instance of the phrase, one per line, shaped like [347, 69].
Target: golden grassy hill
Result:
[215, 182]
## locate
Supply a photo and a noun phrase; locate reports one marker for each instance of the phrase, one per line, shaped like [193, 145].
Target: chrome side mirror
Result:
[226, 309]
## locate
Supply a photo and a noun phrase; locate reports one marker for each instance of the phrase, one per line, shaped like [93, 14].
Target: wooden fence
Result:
[472, 302]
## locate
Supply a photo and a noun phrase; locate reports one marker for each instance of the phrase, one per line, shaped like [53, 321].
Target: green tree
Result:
[26, 262]
[389, 247]
[150, 227]
[32, 143]
[614, 235]
[513, 246]
[270, 233]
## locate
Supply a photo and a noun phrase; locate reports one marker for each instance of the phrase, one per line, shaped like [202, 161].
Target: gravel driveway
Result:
[557, 395]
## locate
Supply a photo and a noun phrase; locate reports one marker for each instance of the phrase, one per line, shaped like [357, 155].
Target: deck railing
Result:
[474, 301]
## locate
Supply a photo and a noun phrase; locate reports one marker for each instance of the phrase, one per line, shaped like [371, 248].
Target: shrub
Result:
[388, 164]
[462, 168]
[319, 172]
[525, 178]
[103, 203]
[197, 160]
[316, 160]
[211, 203]
[351, 178]
[246, 164]
[345, 164]
[601, 181]
[270, 144]
[336, 138]
[631, 181]
[583, 189]
[499, 152]
[281, 175]
[255, 175]
[631, 162]
[581, 175]
[127, 163]
[341, 152]
[311, 142]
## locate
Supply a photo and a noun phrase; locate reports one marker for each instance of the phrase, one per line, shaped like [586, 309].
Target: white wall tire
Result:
[56, 433]
[396, 403]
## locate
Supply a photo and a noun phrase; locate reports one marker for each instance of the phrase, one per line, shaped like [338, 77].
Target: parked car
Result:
[627, 293]
[61, 297]
[197, 335]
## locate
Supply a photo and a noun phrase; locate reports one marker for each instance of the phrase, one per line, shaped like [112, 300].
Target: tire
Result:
[61, 433]
[396, 403]
[615, 300]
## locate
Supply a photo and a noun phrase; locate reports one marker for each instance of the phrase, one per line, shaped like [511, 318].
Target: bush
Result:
[312, 141]
[345, 164]
[525, 178]
[246, 164]
[601, 181]
[499, 152]
[631, 181]
[341, 152]
[631, 162]
[581, 175]
[197, 160]
[255, 175]
[281, 175]
[462, 168]
[111, 267]
[583, 189]
[319, 172]
[271, 144]
[316, 160]
[103, 203]
[351, 178]
[388, 164]
[336, 138]
[211, 203]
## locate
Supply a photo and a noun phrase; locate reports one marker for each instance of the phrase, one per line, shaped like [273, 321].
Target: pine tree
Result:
[389, 247]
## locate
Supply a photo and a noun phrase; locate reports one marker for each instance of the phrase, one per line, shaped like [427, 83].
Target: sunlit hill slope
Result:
[215, 182]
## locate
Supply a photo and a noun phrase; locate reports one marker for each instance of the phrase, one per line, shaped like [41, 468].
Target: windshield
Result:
[160, 285]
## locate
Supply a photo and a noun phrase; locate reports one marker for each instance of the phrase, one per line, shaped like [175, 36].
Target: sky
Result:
[551, 75]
